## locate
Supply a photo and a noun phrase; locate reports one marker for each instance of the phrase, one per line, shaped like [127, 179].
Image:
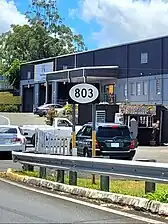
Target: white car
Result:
[43, 109]
[11, 139]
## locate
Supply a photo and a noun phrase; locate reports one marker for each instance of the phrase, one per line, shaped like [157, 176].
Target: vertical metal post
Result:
[60, 176]
[73, 127]
[93, 137]
[73, 175]
[42, 172]
[150, 187]
[160, 127]
[94, 130]
[27, 167]
[46, 95]
[104, 183]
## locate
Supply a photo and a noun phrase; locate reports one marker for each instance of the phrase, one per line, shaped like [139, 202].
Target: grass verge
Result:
[126, 187]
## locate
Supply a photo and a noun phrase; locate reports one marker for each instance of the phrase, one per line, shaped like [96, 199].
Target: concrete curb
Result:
[124, 200]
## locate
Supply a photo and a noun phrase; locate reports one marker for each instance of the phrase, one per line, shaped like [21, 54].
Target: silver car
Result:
[11, 139]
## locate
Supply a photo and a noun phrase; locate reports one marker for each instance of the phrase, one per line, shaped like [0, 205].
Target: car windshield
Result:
[110, 132]
[6, 130]
[58, 106]
[44, 106]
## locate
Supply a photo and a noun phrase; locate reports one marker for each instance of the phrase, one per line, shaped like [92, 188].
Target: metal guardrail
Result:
[150, 171]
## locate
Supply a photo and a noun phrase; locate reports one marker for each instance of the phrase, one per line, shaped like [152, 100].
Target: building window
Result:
[145, 88]
[144, 58]
[132, 89]
[125, 89]
[158, 86]
[138, 89]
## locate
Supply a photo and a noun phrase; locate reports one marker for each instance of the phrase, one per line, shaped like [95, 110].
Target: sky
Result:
[102, 23]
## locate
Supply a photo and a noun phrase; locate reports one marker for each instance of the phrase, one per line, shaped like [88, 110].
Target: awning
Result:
[82, 74]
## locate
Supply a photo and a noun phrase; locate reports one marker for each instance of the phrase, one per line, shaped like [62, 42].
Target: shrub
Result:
[161, 196]
[68, 109]
[9, 108]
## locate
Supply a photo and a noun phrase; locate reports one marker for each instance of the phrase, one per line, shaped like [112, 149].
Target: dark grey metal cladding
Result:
[57, 76]
[25, 69]
[102, 72]
[114, 56]
[85, 59]
[154, 64]
[165, 55]
[76, 73]
[68, 61]
[81, 72]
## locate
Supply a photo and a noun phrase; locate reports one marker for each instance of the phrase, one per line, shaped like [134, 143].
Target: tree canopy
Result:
[45, 35]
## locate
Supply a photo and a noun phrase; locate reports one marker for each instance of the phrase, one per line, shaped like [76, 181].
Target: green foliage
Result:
[45, 13]
[9, 108]
[12, 73]
[161, 196]
[44, 36]
[68, 109]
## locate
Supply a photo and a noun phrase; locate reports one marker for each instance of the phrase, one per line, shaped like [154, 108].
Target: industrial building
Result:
[135, 73]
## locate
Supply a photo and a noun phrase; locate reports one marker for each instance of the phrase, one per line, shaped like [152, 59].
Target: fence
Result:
[50, 141]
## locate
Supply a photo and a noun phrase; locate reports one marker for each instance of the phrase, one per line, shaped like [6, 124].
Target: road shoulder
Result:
[105, 199]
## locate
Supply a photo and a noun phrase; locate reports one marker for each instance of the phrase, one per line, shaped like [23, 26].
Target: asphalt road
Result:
[21, 118]
[4, 120]
[23, 206]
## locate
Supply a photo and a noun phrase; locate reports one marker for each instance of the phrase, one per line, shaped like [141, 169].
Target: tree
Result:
[45, 13]
[44, 36]
[12, 74]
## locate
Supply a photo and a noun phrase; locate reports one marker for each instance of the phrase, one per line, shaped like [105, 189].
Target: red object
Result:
[114, 126]
[97, 145]
[132, 144]
[17, 140]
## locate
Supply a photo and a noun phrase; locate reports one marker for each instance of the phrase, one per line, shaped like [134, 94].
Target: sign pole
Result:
[94, 130]
[84, 93]
[46, 95]
[93, 137]
[73, 127]
[73, 175]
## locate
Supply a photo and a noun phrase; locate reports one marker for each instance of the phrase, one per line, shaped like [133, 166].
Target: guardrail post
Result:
[60, 176]
[150, 187]
[72, 178]
[27, 167]
[42, 172]
[104, 183]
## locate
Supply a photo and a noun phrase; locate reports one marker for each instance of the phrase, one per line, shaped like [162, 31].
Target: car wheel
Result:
[33, 140]
[40, 115]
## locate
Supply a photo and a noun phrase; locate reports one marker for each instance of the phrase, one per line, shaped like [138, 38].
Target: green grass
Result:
[127, 187]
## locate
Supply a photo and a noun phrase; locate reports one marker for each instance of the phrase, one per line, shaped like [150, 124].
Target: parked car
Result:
[11, 139]
[43, 109]
[112, 140]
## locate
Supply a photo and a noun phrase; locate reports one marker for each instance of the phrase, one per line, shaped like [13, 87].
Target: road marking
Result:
[110, 210]
[6, 118]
